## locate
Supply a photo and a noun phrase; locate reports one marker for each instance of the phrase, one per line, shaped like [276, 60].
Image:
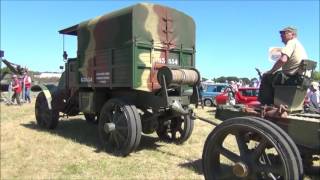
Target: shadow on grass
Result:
[78, 130]
[148, 142]
[195, 166]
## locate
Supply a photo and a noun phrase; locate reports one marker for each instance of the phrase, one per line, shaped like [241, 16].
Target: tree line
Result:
[223, 79]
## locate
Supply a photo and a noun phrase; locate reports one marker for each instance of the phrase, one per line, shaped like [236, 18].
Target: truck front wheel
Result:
[46, 117]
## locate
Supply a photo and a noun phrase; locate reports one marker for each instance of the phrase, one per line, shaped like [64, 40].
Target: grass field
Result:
[72, 151]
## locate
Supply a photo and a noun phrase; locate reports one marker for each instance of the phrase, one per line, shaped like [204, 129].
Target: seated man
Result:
[291, 56]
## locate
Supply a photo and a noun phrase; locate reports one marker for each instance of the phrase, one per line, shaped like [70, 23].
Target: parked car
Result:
[245, 95]
[210, 91]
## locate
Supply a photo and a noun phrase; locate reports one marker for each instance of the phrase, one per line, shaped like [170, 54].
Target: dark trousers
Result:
[17, 97]
[266, 90]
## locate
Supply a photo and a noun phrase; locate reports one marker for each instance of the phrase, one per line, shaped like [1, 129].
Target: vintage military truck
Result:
[130, 74]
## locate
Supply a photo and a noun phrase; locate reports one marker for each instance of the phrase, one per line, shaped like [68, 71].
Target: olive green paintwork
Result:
[303, 128]
[126, 48]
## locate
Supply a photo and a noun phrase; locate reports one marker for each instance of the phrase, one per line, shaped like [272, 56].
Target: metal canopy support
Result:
[73, 30]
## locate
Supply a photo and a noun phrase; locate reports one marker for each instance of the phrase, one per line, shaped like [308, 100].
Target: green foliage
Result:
[316, 75]
[203, 79]
[5, 70]
[221, 79]
[232, 78]
[245, 80]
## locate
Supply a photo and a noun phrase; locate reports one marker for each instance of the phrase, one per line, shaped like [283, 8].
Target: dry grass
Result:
[72, 151]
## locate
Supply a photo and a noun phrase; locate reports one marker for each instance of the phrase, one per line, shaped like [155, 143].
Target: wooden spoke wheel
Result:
[91, 118]
[119, 127]
[248, 148]
[46, 118]
[176, 130]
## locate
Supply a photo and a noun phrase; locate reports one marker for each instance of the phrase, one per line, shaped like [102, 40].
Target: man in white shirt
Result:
[291, 56]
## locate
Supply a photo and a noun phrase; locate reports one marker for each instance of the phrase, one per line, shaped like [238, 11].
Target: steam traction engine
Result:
[130, 75]
[278, 141]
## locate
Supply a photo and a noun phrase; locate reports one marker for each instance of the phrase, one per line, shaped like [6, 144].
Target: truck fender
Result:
[46, 91]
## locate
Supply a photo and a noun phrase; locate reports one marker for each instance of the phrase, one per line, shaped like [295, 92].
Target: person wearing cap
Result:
[291, 56]
[16, 89]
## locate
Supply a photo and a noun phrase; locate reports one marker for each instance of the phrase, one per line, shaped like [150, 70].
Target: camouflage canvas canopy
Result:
[161, 28]
[142, 22]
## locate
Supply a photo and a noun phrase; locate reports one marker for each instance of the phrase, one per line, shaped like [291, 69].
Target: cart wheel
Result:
[118, 130]
[291, 143]
[261, 152]
[91, 118]
[176, 130]
[45, 117]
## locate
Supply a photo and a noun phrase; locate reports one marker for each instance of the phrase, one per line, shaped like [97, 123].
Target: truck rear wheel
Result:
[46, 118]
[176, 130]
[119, 127]
[261, 152]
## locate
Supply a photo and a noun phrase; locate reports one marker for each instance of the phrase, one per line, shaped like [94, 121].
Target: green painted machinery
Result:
[279, 141]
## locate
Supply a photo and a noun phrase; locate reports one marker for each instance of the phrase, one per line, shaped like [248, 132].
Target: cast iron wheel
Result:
[91, 118]
[176, 130]
[261, 152]
[208, 102]
[292, 144]
[45, 117]
[118, 130]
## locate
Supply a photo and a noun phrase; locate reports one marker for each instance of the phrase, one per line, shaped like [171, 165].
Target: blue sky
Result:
[232, 37]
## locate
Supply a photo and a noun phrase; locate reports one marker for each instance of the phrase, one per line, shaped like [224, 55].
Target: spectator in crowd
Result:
[234, 85]
[231, 95]
[200, 96]
[16, 87]
[314, 97]
[27, 86]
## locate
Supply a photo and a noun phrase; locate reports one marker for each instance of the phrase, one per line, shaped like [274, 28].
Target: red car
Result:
[244, 95]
